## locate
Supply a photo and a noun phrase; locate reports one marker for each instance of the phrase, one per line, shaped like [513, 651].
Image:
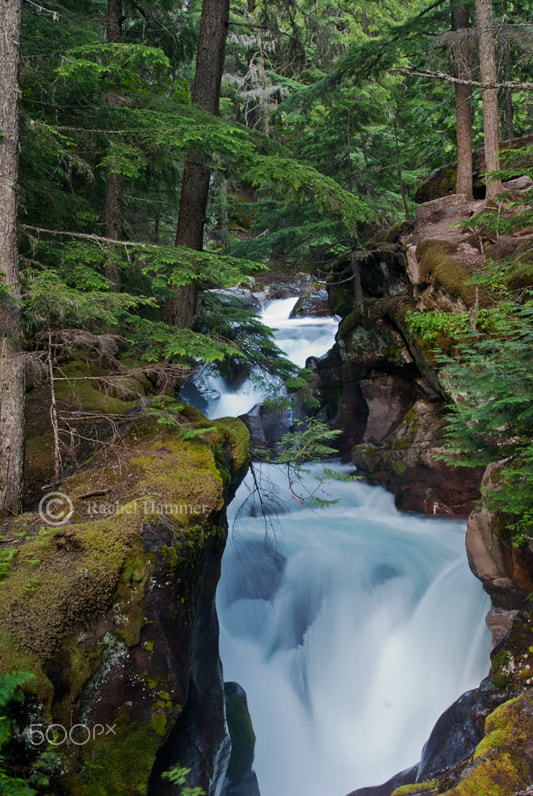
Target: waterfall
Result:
[351, 628]
[298, 338]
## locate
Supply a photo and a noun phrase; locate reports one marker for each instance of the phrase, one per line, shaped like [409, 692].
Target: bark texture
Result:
[180, 308]
[114, 182]
[11, 360]
[463, 109]
[487, 65]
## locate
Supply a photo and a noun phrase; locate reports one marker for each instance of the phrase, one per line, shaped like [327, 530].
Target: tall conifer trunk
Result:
[463, 107]
[180, 308]
[487, 64]
[11, 358]
[114, 182]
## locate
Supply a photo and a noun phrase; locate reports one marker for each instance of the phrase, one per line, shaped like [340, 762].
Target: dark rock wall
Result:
[382, 392]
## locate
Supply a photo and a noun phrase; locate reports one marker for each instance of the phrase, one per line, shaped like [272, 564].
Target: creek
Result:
[352, 627]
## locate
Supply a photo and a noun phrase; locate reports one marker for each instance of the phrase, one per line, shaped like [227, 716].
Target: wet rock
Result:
[313, 301]
[499, 623]
[240, 779]
[279, 291]
[455, 735]
[504, 570]
[267, 426]
[403, 778]
[243, 294]
[405, 463]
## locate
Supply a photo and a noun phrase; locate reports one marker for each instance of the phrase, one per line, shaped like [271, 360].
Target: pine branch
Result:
[437, 75]
[88, 236]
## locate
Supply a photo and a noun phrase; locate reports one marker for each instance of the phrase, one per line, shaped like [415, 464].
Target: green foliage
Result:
[309, 443]
[514, 212]
[429, 323]
[10, 683]
[177, 775]
[7, 554]
[296, 180]
[493, 370]
[170, 413]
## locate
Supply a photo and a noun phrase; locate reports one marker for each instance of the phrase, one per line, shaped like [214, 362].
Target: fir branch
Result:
[437, 75]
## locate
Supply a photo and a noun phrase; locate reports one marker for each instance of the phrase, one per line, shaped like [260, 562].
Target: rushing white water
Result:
[299, 338]
[353, 632]
[351, 639]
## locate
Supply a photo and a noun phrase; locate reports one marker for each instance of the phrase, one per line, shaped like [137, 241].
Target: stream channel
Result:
[352, 627]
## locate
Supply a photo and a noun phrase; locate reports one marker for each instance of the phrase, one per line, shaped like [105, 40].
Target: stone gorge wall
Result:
[382, 391]
[113, 613]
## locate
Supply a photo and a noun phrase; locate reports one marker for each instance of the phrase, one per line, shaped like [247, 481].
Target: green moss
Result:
[392, 235]
[521, 274]
[492, 741]
[439, 268]
[407, 431]
[118, 762]
[129, 608]
[501, 760]
[420, 787]
[159, 724]
[236, 434]
[502, 668]
[78, 387]
[399, 468]
[71, 667]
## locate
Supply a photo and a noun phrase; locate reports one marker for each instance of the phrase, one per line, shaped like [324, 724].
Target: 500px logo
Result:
[78, 734]
[56, 508]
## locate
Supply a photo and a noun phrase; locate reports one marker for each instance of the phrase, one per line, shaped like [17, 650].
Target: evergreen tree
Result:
[181, 307]
[11, 359]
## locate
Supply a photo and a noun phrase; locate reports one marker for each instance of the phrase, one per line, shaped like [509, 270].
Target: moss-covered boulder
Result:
[112, 610]
[502, 763]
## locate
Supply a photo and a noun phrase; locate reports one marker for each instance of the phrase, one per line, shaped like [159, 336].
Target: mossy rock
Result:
[439, 268]
[236, 434]
[67, 575]
[441, 182]
[512, 662]
[117, 762]
[79, 385]
[503, 760]
[520, 275]
[417, 788]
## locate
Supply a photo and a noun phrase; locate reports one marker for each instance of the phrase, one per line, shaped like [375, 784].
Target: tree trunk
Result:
[114, 182]
[487, 64]
[463, 108]
[505, 95]
[11, 358]
[180, 308]
[399, 166]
